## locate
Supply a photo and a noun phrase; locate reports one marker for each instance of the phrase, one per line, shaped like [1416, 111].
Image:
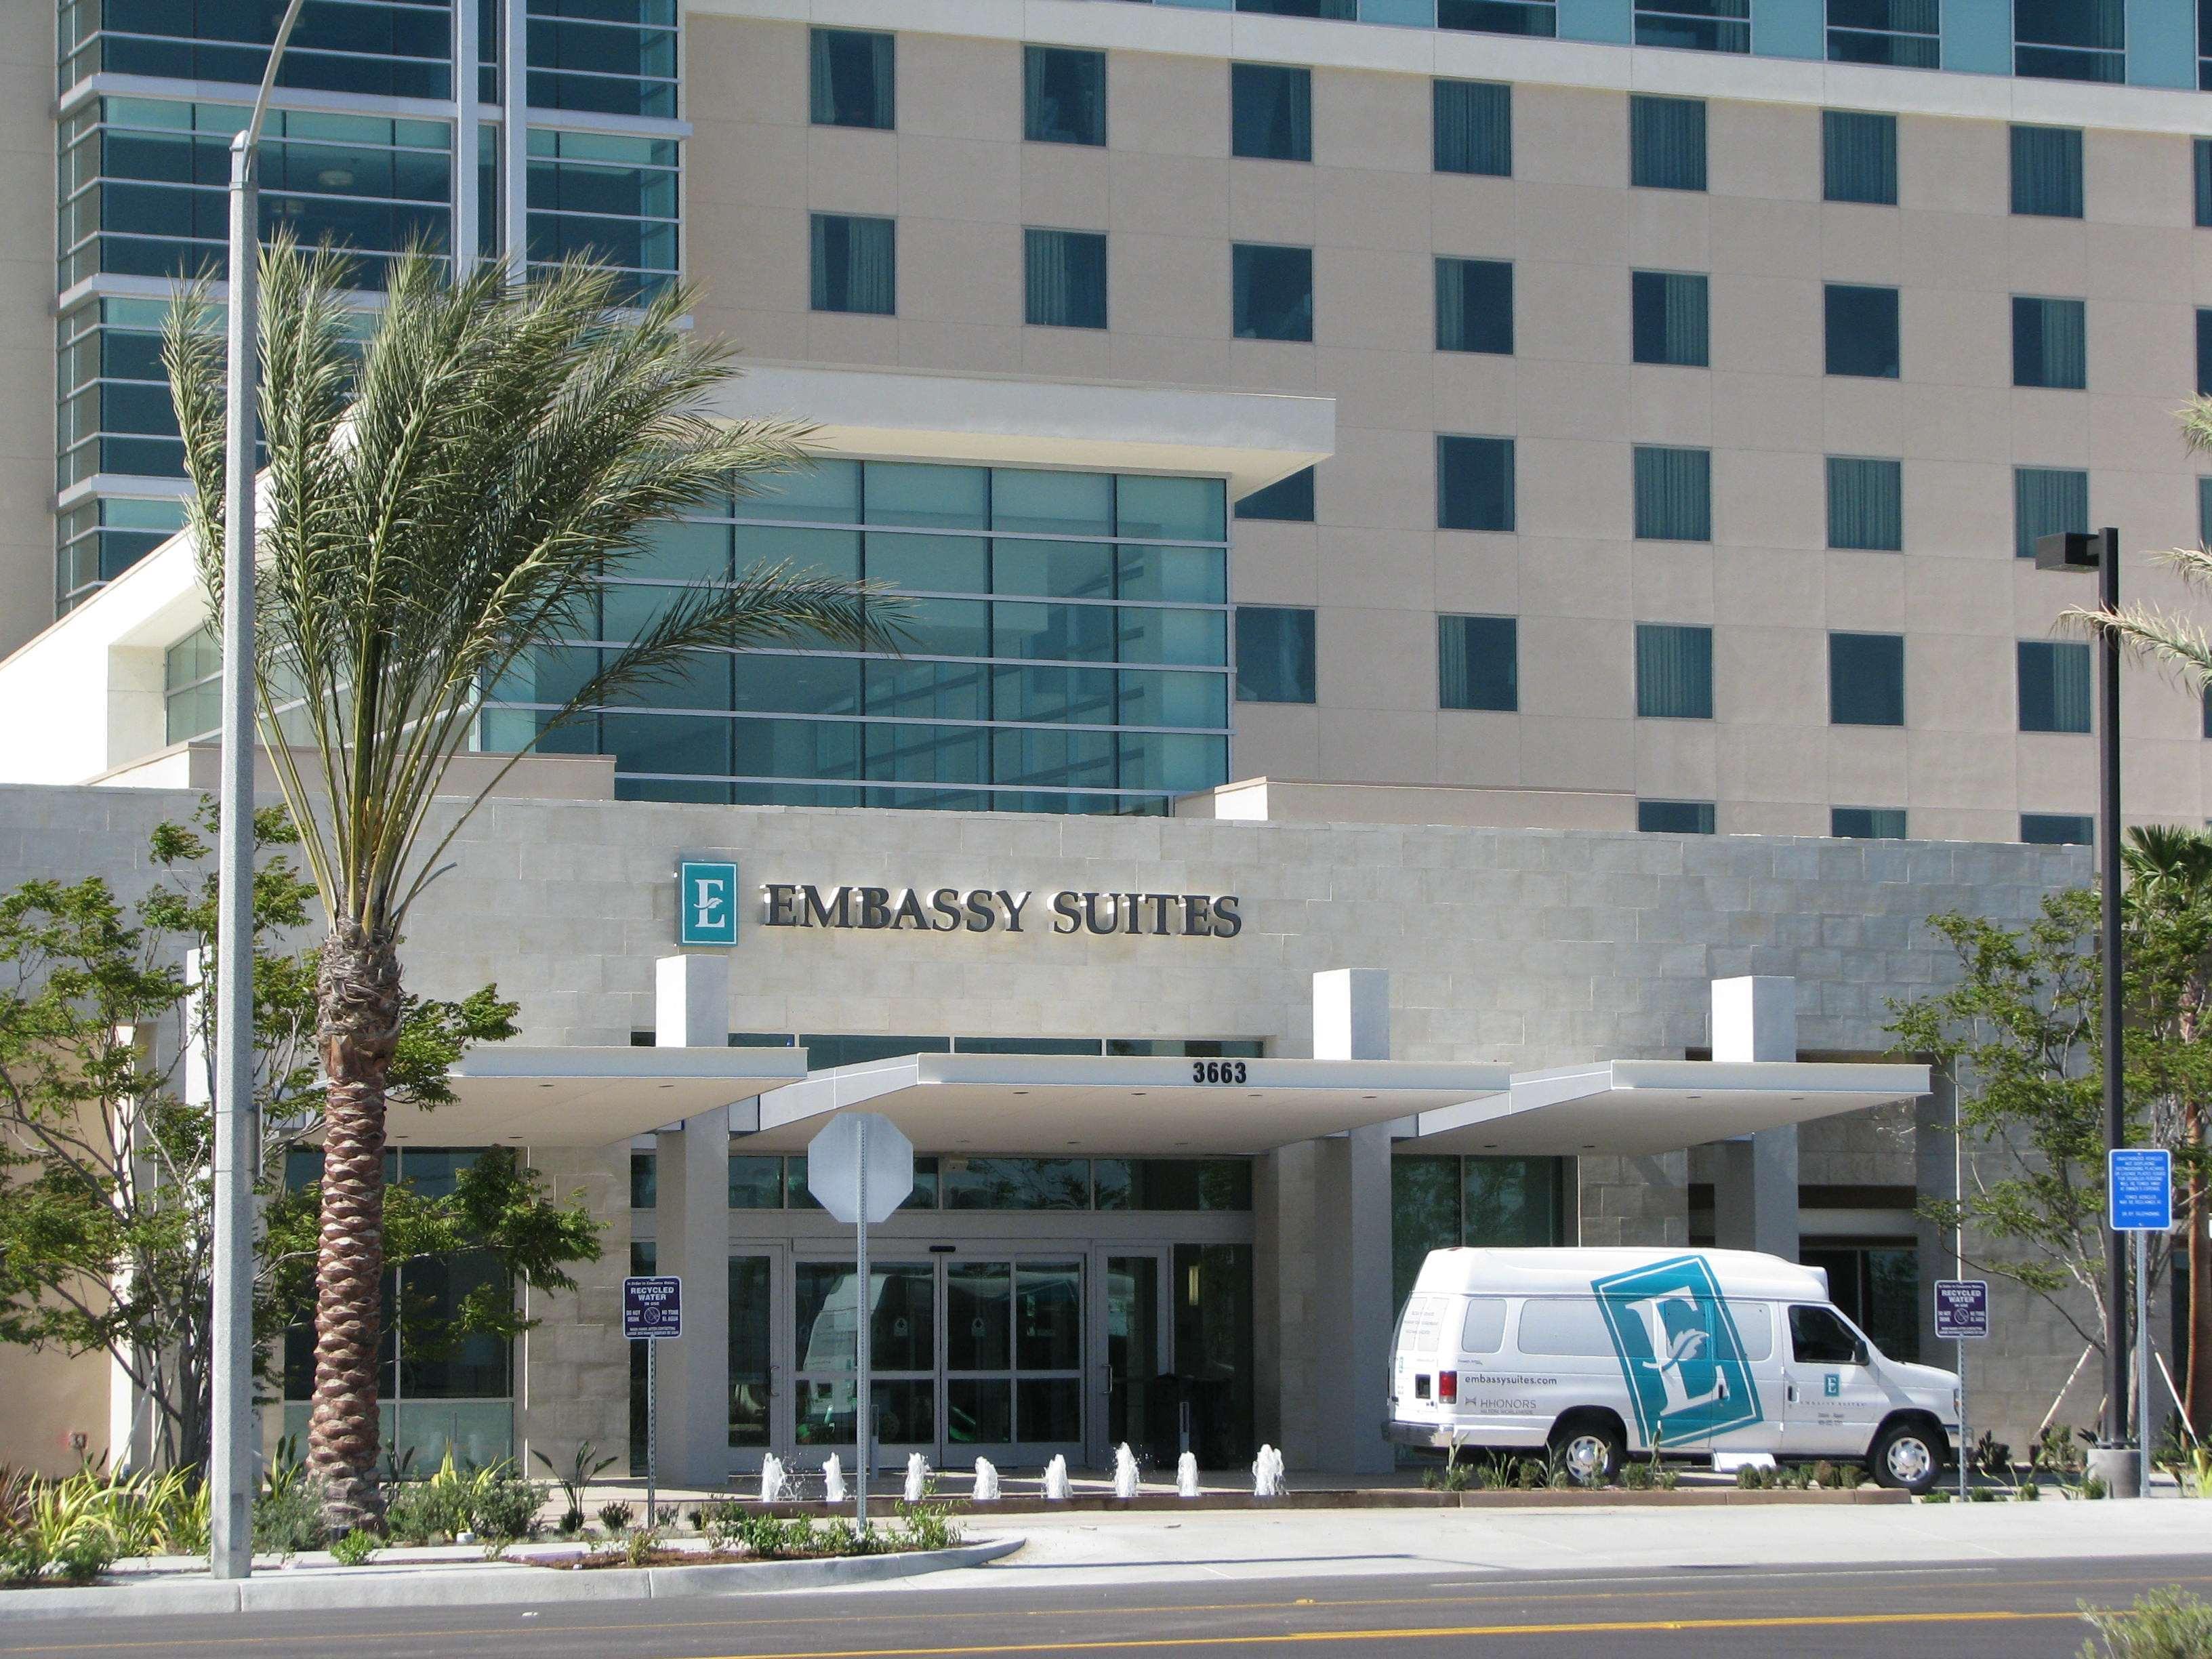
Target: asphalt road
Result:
[2022, 1611]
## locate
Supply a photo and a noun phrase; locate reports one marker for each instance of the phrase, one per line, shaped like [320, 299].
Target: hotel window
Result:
[1271, 113]
[2049, 342]
[1478, 663]
[1475, 483]
[1674, 817]
[1673, 494]
[1694, 25]
[1666, 142]
[2047, 172]
[1540, 17]
[2204, 353]
[614, 60]
[96, 541]
[1474, 127]
[2045, 500]
[193, 685]
[1673, 671]
[2058, 828]
[115, 416]
[1064, 275]
[1339, 11]
[1858, 157]
[383, 48]
[852, 82]
[1867, 823]
[2204, 512]
[2204, 177]
[1902, 33]
[1866, 680]
[607, 196]
[1063, 95]
[1274, 654]
[1865, 503]
[2070, 39]
[855, 265]
[1668, 321]
[1273, 293]
[1862, 330]
[1475, 305]
[1287, 500]
[2054, 685]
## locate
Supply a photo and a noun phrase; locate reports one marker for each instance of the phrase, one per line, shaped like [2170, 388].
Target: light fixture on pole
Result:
[231, 1472]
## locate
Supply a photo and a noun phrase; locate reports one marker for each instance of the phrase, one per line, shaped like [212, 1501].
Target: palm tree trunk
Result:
[357, 1027]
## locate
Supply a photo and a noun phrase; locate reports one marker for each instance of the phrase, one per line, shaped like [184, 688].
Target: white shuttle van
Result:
[1596, 1354]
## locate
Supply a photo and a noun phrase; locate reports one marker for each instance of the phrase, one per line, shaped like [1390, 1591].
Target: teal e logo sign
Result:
[706, 903]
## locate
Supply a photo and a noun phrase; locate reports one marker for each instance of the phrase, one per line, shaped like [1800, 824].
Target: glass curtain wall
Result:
[1440, 1203]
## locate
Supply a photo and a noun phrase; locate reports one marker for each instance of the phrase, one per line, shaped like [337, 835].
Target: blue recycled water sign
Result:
[706, 903]
[2140, 1182]
[1679, 1352]
[653, 1309]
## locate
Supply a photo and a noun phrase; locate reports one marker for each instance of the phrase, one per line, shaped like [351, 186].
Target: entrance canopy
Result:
[519, 1094]
[1138, 1106]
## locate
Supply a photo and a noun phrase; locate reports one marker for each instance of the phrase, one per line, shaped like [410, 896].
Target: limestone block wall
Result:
[572, 1371]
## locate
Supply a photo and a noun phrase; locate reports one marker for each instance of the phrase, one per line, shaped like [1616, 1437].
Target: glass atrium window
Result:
[2050, 344]
[1287, 500]
[1540, 17]
[2045, 500]
[1862, 330]
[1866, 680]
[1673, 494]
[2047, 172]
[1867, 823]
[1270, 108]
[609, 197]
[1865, 503]
[1274, 294]
[98, 540]
[1475, 305]
[383, 48]
[2058, 829]
[1902, 33]
[1666, 142]
[1274, 654]
[1064, 275]
[1674, 817]
[2070, 39]
[1475, 483]
[193, 684]
[115, 412]
[855, 265]
[1063, 95]
[616, 57]
[1694, 25]
[1858, 157]
[2054, 685]
[1668, 321]
[1673, 671]
[1474, 127]
[1478, 663]
[852, 79]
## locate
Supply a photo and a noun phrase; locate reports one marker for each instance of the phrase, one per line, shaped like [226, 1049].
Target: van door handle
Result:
[1793, 1393]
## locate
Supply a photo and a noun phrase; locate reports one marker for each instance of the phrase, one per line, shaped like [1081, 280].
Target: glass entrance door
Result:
[754, 1391]
[902, 1356]
[1141, 1395]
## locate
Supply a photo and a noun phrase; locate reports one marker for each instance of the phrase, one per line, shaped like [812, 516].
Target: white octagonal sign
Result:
[853, 1144]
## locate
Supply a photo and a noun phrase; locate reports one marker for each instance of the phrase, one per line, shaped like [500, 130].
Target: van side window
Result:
[1565, 1325]
[1755, 1327]
[1485, 1332]
[1818, 1336]
[1423, 1324]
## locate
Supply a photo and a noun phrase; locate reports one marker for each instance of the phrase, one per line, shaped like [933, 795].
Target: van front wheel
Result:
[1906, 1456]
[1589, 1448]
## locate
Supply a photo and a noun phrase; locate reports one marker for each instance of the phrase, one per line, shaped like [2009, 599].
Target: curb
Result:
[1388, 1498]
[484, 1586]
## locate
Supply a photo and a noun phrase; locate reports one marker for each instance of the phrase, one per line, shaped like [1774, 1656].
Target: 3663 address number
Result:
[1217, 1071]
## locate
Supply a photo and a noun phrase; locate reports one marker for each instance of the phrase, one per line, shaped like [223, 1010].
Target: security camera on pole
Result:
[861, 1168]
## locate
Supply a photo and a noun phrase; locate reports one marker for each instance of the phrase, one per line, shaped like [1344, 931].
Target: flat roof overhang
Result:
[1635, 1108]
[1135, 1106]
[518, 1094]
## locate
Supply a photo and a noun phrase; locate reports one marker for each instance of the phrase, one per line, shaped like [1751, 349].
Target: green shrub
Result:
[503, 1506]
[1982, 1494]
[2093, 1487]
[616, 1519]
[355, 1549]
[57, 1529]
[927, 1527]
[290, 1520]
[2164, 1624]
[1635, 1476]
[2028, 1493]
[1936, 1495]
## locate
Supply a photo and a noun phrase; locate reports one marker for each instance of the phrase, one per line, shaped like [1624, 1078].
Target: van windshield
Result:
[1820, 1336]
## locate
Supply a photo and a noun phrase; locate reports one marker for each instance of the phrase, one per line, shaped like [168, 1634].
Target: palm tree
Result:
[442, 500]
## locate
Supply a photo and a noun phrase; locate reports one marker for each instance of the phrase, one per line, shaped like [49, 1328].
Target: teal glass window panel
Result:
[2203, 175]
[1341, 11]
[1273, 292]
[1271, 111]
[1053, 503]
[1077, 570]
[1163, 510]
[1160, 697]
[506, 729]
[2047, 500]
[755, 1182]
[1866, 503]
[2050, 343]
[2203, 511]
[1286, 501]
[767, 683]
[1901, 33]
[1862, 330]
[1694, 25]
[2070, 39]
[1674, 817]
[1666, 142]
[1059, 633]
[1536, 17]
[901, 752]
[1183, 639]
[1064, 278]
[855, 265]
[947, 628]
[1173, 1183]
[1475, 483]
[2054, 685]
[1673, 494]
[1076, 696]
[835, 554]
[1475, 305]
[1174, 762]
[1195, 575]
[820, 492]
[1858, 157]
[1515, 1203]
[544, 674]
[681, 550]
[2058, 828]
[1866, 680]
[1035, 759]
[939, 564]
[1274, 654]
[2203, 352]
[1063, 95]
[1669, 316]
[1478, 663]
[928, 497]
[628, 611]
[929, 690]
[1014, 1183]
[768, 748]
[2047, 172]
[1867, 823]
[688, 743]
[697, 679]
[1673, 671]
[1474, 127]
[853, 79]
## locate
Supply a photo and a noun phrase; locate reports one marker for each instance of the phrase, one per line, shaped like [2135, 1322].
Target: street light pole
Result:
[230, 1473]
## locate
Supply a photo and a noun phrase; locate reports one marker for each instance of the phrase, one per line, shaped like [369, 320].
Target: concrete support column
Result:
[692, 1010]
[1935, 1174]
[1352, 1303]
[1755, 1188]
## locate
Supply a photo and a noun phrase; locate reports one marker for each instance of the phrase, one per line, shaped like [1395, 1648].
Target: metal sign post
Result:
[1962, 1313]
[652, 1313]
[861, 1168]
[2139, 1193]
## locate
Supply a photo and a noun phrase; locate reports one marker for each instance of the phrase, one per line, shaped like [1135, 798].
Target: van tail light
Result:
[1448, 1388]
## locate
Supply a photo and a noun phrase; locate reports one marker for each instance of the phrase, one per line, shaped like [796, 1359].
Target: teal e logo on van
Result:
[1679, 1351]
[1831, 1385]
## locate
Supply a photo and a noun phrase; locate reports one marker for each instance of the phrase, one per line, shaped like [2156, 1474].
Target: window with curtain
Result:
[1673, 671]
[1063, 95]
[1865, 503]
[1271, 111]
[1064, 278]
[1866, 680]
[1274, 654]
[855, 265]
[1902, 33]
[2050, 343]
[1668, 321]
[1867, 823]
[1673, 494]
[2204, 512]
[2070, 39]
[1674, 817]
[1475, 305]
[2054, 685]
[1287, 500]
[1478, 663]
[1273, 295]
[2045, 500]
[2203, 352]
[2058, 829]
[1694, 25]
[1666, 142]
[852, 79]
[1474, 127]
[1475, 483]
[1539, 18]
[2204, 150]
[1341, 11]
[1858, 157]
[1862, 330]
[2047, 172]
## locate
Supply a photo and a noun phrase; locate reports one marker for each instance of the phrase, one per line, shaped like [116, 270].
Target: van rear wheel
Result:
[1906, 1456]
[1590, 1448]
